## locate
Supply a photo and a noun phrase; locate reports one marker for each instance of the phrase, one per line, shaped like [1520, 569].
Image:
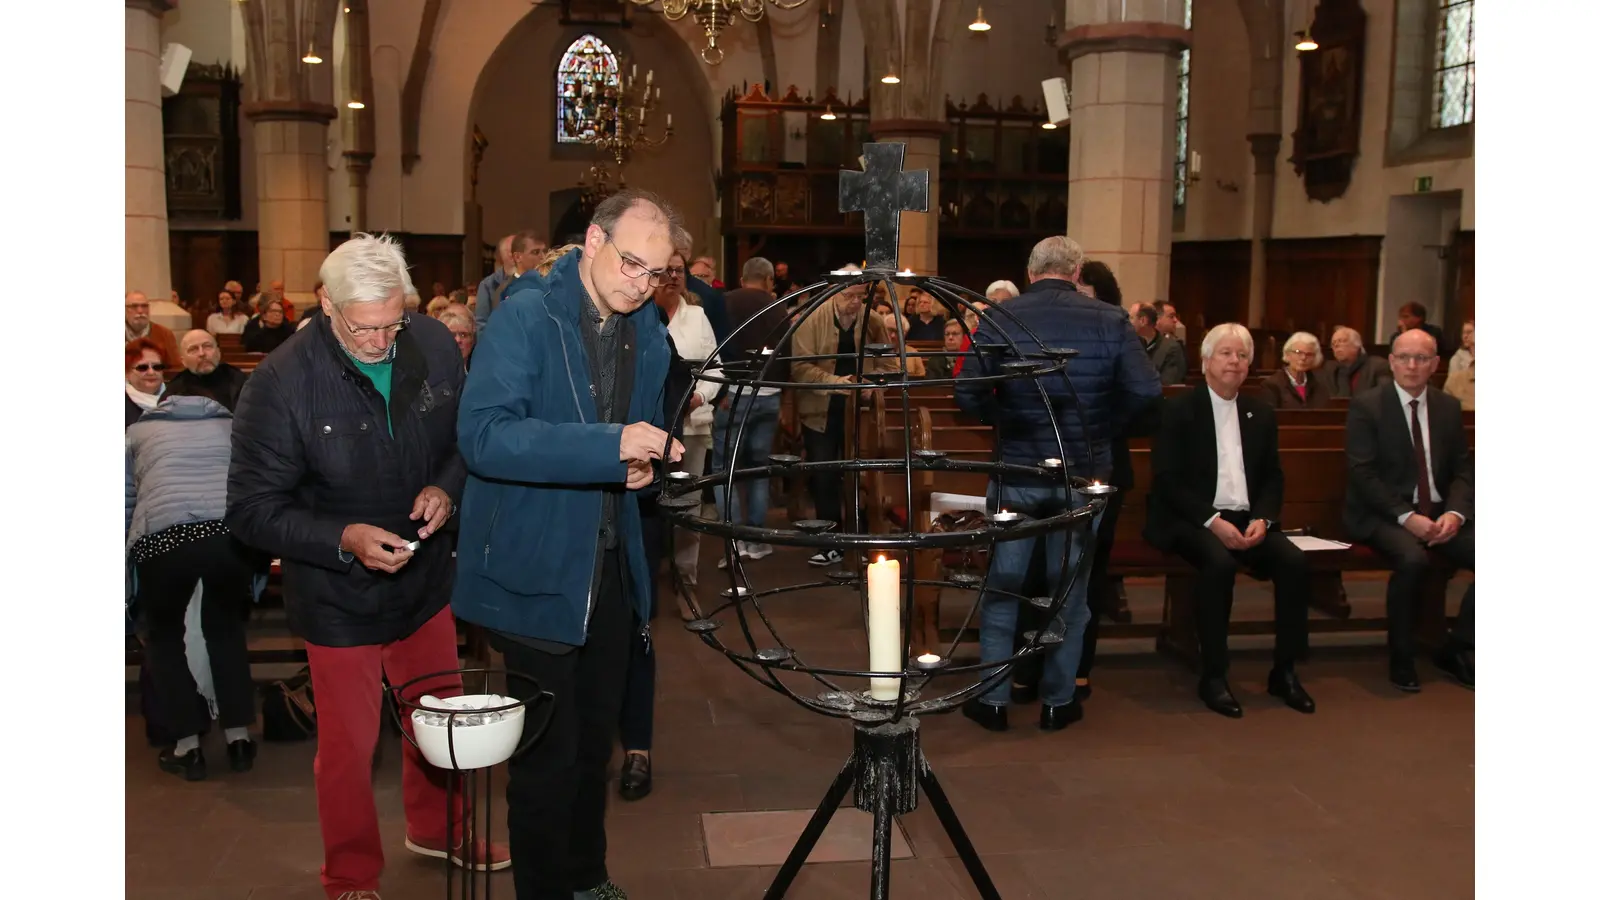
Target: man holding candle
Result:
[1215, 501]
[1113, 383]
[561, 428]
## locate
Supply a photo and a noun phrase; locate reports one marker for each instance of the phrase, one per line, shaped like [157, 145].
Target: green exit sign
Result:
[1424, 184]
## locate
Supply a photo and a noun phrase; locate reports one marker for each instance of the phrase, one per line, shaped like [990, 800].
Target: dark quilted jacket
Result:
[312, 453]
[1115, 382]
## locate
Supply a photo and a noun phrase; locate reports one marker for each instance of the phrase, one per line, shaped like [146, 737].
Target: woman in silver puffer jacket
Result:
[177, 489]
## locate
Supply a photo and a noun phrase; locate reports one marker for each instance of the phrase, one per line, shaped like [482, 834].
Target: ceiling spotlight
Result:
[311, 56]
[1304, 41]
[979, 24]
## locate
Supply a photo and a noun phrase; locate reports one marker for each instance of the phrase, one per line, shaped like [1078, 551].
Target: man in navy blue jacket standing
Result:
[560, 427]
[1113, 383]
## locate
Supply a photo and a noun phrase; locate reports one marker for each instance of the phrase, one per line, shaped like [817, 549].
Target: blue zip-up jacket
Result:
[1115, 382]
[536, 454]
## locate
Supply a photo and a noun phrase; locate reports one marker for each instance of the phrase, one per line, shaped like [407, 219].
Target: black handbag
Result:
[288, 708]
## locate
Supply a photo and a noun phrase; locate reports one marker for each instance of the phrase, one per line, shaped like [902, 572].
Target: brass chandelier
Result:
[716, 15]
[617, 108]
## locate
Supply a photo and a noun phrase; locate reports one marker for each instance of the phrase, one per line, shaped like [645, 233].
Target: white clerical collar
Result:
[1217, 399]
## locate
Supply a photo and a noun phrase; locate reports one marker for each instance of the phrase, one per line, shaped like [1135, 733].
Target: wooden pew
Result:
[1314, 475]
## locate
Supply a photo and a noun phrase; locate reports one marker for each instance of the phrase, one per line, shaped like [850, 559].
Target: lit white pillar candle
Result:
[883, 625]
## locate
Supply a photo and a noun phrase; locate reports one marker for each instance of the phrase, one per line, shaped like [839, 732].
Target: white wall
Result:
[1218, 206]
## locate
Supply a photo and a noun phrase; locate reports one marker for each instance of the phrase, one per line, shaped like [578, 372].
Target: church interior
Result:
[1304, 168]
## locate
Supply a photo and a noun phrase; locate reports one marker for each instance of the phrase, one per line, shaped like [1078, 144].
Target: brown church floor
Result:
[1150, 796]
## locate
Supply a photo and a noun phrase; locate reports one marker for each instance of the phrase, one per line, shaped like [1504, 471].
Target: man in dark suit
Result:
[1165, 353]
[1410, 492]
[1351, 370]
[1215, 500]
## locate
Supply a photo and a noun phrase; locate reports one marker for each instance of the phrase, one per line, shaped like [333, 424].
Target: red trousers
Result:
[348, 685]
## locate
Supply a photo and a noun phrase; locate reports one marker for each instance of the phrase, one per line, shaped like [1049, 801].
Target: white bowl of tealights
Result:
[473, 731]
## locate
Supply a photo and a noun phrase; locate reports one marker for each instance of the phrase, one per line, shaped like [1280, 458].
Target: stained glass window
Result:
[1454, 78]
[586, 68]
[1180, 178]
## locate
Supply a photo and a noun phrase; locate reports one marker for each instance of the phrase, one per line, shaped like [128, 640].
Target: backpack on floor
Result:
[288, 709]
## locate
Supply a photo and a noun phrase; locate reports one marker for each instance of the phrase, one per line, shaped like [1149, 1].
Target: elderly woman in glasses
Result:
[147, 377]
[1295, 386]
[463, 327]
[265, 332]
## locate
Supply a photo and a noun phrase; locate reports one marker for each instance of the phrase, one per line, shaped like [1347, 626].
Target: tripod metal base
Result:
[886, 768]
[468, 798]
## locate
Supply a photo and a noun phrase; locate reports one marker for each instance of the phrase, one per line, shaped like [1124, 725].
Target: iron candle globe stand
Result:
[887, 767]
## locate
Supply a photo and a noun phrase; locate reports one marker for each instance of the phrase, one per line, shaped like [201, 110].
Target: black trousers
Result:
[1409, 559]
[166, 583]
[556, 794]
[827, 487]
[1216, 567]
[637, 726]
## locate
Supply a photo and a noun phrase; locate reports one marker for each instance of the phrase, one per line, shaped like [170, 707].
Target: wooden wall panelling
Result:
[433, 257]
[1316, 284]
[1210, 283]
[1466, 308]
[204, 260]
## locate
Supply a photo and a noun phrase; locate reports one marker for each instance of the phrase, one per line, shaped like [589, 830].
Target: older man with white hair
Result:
[1216, 501]
[345, 466]
[1000, 291]
[1352, 370]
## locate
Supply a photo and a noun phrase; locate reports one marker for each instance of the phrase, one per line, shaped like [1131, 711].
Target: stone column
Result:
[1264, 147]
[290, 106]
[149, 256]
[1124, 111]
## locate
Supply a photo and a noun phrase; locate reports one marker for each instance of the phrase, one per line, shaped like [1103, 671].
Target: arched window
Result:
[587, 65]
[1454, 78]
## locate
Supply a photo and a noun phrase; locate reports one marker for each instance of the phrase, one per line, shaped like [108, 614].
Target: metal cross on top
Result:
[881, 192]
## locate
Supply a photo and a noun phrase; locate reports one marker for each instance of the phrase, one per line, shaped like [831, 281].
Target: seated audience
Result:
[1410, 495]
[1462, 385]
[1000, 291]
[944, 366]
[1415, 315]
[1168, 323]
[1296, 385]
[1164, 352]
[464, 328]
[229, 317]
[1463, 357]
[926, 316]
[146, 381]
[1353, 371]
[1216, 500]
[266, 331]
[177, 488]
[136, 307]
[204, 373]
[896, 327]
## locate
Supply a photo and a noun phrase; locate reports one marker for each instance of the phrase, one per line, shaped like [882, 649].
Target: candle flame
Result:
[882, 557]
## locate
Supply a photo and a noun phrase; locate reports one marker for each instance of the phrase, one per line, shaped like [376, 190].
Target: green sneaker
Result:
[604, 891]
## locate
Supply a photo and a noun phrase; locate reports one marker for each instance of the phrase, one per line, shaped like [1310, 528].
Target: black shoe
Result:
[241, 755]
[635, 781]
[1457, 662]
[1403, 675]
[191, 765]
[1284, 684]
[1024, 693]
[1082, 692]
[1214, 693]
[988, 715]
[1055, 718]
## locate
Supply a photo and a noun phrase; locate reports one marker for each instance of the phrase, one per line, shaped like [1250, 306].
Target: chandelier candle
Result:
[883, 625]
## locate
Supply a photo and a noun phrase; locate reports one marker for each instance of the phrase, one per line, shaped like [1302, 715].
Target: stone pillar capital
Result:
[153, 7]
[1265, 147]
[1123, 37]
[289, 111]
[889, 129]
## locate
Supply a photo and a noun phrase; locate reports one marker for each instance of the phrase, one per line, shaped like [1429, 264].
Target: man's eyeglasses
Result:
[150, 367]
[1413, 359]
[1303, 353]
[361, 331]
[632, 268]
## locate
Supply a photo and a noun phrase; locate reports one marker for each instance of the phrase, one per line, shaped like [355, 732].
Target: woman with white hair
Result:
[1294, 386]
[1001, 291]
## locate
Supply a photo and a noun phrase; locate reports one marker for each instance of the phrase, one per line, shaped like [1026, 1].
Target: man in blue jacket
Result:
[1112, 384]
[560, 427]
